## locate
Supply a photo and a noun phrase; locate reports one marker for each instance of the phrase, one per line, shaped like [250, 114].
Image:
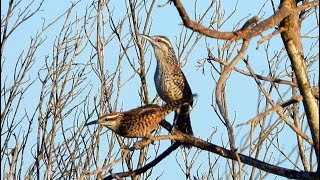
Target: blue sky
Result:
[242, 92]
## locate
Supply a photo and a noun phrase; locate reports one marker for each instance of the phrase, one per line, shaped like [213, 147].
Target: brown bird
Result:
[170, 82]
[139, 122]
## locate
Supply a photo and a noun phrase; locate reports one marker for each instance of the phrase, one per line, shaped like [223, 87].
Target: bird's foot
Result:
[174, 130]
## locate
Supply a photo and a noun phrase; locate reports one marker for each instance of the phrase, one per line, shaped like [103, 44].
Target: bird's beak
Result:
[92, 122]
[146, 37]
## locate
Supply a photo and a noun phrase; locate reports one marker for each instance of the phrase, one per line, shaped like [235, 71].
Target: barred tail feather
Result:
[182, 120]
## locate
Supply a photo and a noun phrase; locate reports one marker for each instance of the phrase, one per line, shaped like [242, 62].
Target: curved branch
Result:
[220, 87]
[219, 99]
[284, 11]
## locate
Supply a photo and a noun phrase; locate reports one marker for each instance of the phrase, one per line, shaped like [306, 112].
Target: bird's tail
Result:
[182, 120]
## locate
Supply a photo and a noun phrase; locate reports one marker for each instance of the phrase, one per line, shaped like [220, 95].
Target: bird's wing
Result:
[182, 84]
[150, 106]
[177, 74]
[148, 109]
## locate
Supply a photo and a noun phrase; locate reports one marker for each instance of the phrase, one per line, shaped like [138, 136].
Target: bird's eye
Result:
[158, 40]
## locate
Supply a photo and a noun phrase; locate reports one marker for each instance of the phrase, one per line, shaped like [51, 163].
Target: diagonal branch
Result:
[204, 145]
[147, 166]
[246, 73]
[293, 100]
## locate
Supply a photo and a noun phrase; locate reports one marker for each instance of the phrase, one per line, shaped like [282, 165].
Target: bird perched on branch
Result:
[170, 82]
[141, 121]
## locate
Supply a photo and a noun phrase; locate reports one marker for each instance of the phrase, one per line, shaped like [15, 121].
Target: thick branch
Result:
[256, 30]
[204, 145]
[292, 42]
[199, 143]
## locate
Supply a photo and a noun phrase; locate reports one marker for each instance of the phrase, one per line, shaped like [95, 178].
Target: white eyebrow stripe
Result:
[112, 115]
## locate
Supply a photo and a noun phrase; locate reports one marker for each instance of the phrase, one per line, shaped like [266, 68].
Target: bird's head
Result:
[160, 44]
[111, 120]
